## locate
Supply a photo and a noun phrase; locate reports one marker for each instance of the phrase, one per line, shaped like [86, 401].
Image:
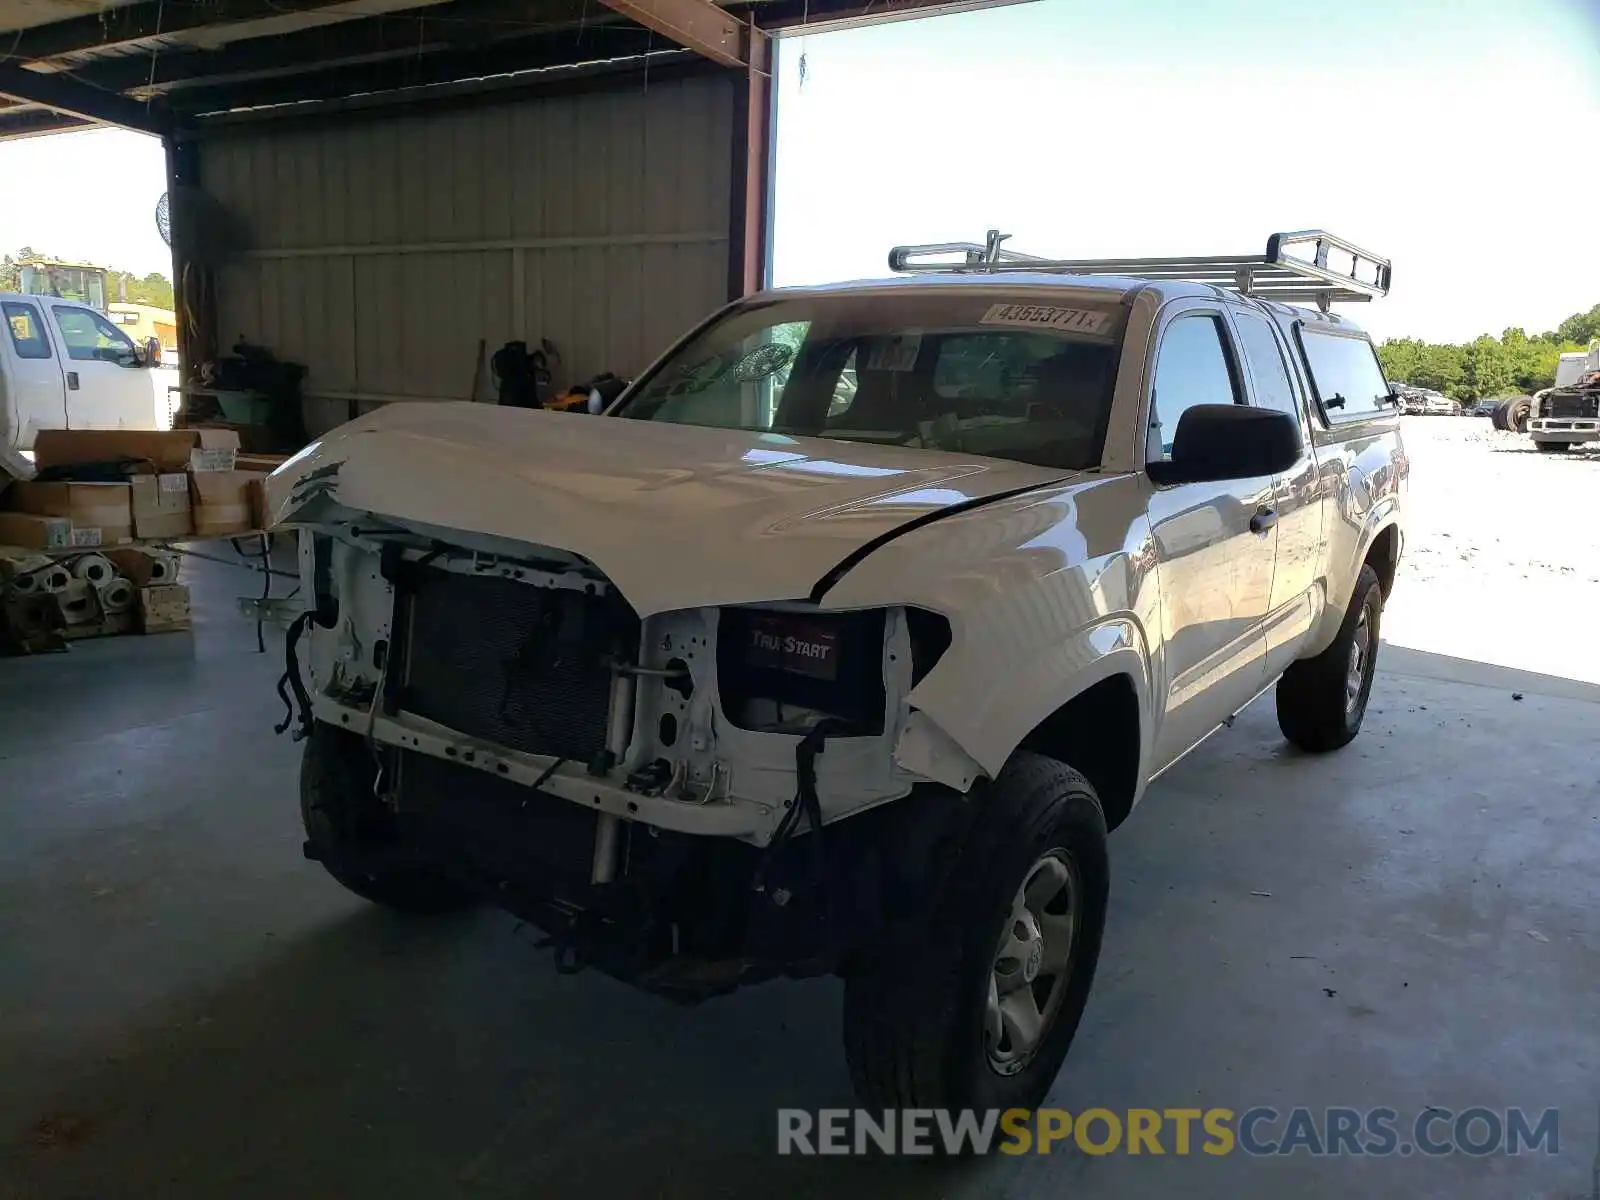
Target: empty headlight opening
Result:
[783, 672]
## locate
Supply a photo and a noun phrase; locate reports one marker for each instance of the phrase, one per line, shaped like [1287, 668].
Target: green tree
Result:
[1485, 370]
[1488, 366]
[1581, 328]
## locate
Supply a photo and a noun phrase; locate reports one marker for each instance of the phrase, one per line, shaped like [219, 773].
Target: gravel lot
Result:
[1502, 556]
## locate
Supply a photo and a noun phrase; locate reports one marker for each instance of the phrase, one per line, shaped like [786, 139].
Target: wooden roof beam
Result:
[698, 25]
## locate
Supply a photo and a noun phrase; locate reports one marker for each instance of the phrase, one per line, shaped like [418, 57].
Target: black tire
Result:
[1551, 447]
[1518, 410]
[1317, 710]
[1498, 416]
[345, 824]
[915, 1013]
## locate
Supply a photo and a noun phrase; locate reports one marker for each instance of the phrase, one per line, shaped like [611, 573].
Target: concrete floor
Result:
[188, 1009]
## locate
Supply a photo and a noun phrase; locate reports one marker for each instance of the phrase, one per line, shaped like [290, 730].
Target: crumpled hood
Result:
[676, 516]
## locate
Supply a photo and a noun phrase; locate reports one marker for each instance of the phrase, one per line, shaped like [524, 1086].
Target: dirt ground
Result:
[1502, 556]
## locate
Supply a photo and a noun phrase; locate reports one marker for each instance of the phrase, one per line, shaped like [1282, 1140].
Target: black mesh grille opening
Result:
[1573, 404]
[495, 829]
[511, 663]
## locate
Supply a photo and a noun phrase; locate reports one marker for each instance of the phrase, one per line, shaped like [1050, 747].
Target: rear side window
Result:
[27, 333]
[1267, 368]
[1345, 375]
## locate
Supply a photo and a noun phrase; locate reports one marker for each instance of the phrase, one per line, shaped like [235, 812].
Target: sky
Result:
[1460, 139]
[89, 196]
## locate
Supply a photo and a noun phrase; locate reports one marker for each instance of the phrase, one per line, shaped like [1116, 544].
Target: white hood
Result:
[676, 516]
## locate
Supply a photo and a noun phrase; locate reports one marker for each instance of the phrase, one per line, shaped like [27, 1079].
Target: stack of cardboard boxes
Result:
[182, 483]
[167, 486]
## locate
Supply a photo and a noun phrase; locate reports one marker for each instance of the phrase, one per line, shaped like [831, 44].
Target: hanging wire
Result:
[805, 23]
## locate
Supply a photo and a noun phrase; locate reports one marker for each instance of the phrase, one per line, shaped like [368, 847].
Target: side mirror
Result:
[1230, 441]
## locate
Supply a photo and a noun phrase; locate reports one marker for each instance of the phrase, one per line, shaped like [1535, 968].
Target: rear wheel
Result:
[348, 828]
[976, 1006]
[1323, 700]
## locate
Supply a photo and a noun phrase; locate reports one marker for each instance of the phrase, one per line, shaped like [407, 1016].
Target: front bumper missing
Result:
[722, 816]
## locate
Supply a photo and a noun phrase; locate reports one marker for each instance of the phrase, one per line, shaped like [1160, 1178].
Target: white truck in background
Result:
[1575, 364]
[64, 365]
[1568, 414]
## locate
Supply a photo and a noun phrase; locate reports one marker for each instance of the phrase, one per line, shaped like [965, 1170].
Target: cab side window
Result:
[1192, 367]
[1345, 374]
[1267, 368]
[27, 333]
[90, 337]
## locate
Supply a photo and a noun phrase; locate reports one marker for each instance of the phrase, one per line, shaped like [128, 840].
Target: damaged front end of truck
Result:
[690, 797]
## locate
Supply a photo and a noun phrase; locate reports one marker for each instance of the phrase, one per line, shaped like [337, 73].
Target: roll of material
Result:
[163, 569]
[117, 596]
[54, 579]
[95, 569]
[26, 585]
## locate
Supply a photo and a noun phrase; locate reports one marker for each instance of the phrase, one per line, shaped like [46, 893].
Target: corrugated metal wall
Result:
[379, 251]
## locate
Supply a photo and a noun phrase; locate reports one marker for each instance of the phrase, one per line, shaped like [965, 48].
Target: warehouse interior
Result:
[384, 194]
[333, 175]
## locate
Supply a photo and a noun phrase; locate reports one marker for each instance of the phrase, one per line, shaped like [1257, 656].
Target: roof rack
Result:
[1285, 272]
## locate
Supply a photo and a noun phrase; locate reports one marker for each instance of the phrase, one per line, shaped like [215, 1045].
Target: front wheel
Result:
[347, 828]
[977, 1004]
[1322, 700]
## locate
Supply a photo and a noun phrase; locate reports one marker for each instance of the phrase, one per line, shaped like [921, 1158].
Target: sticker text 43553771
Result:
[1048, 316]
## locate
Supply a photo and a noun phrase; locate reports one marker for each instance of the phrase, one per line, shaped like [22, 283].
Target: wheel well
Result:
[1384, 557]
[1097, 733]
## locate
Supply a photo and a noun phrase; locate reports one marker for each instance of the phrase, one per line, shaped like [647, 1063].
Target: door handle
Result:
[1264, 519]
[72, 381]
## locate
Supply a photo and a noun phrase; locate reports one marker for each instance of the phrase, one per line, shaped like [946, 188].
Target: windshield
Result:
[976, 374]
[85, 285]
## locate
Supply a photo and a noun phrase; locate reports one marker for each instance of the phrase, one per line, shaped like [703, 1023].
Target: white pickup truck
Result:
[839, 642]
[63, 365]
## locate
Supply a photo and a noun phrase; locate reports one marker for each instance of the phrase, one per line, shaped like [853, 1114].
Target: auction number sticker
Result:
[1048, 316]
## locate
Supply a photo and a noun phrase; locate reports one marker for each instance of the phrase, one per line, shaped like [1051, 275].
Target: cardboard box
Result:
[17, 563]
[161, 506]
[163, 449]
[164, 608]
[213, 458]
[109, 625]
[78, 603]
[36, 533]
[221, 501]
[266, 463]
[258, 502]
[101, 513]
